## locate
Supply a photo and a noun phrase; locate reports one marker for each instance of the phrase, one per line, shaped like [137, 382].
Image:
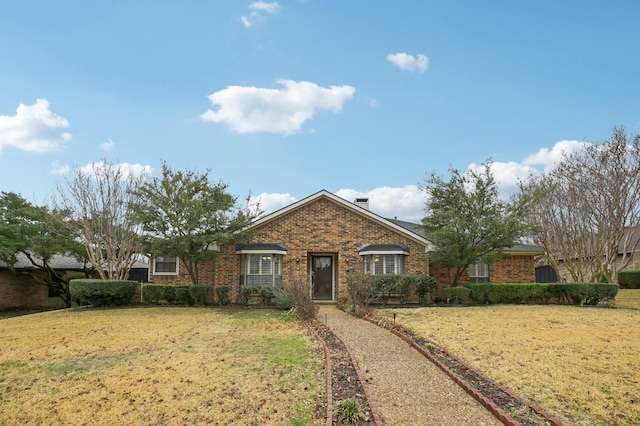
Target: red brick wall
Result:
[20, 291]
[509, 269]
[513, 269]
[321, 227]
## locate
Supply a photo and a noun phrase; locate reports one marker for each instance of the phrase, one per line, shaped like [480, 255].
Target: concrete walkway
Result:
[405, 387]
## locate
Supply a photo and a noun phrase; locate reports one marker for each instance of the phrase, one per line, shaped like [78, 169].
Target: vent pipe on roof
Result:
[362, 202]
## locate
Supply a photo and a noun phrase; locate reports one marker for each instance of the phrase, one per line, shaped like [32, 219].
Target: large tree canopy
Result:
[467, 220]
[38, 234]
[591, 199]
[184, 214]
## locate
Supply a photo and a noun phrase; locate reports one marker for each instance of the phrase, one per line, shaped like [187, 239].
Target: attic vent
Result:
[362, 202]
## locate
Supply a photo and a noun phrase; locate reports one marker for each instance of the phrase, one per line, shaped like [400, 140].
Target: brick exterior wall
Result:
[320, 227]
[509, 269]
[20, 291]
[323, 227]
[326, 227]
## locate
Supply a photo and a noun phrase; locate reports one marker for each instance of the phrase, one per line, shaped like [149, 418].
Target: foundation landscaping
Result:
[573, 357]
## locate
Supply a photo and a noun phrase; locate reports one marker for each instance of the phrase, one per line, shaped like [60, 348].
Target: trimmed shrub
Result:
[245, 294]
[183, 296]
[563, 293]
[383, 286]
[405, 285]
[176, 294]
[457, 295]
[88, 291]
[223, 293]
[266, 294]
[424, 285]
[508, 293]
[200, 294]
[629, 279]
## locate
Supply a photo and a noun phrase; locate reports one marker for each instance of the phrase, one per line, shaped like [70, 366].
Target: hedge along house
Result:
[18, 289]
[322, 238]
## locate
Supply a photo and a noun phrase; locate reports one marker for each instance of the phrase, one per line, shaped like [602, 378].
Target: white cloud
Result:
[403, 203]
[59, 169]
[257, 12]
[34, 128]
[269, 203]
[406, 62]
[408, 202]
[107, 146]
[550, 157]
[283, 111]
[127, 169]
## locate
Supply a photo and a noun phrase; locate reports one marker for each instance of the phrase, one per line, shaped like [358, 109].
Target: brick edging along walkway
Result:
[499, 413]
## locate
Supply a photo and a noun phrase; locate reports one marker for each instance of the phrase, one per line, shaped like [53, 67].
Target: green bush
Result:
[183, 296]
[629, 279]
[457, 295]
[563, 293]
[405, 286]
[424, 285]
[177, 294]
[245, 294]
[223, 293]
[266, 294]
[200, 294]
[384, 286]
[508, 293]
[96, 292]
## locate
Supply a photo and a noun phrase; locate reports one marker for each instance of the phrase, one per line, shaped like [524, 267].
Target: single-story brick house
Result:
[323, 237]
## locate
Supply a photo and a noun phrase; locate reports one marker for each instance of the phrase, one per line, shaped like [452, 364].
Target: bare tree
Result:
[99, 199]
[591, 199]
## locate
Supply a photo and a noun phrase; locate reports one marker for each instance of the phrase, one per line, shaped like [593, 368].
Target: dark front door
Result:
[322, 277]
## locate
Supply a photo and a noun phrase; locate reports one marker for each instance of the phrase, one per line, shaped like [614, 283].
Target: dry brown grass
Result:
[628, 299]
[580, 364]
[158, 366]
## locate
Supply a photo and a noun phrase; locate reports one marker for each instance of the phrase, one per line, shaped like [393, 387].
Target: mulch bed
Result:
[345, 380]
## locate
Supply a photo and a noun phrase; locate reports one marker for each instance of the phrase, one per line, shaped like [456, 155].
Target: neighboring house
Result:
[19, 290]
[628, 257]
[321, 238]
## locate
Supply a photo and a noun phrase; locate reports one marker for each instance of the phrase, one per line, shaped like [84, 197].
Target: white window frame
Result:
[248, 274]
[176, 262]
[395, 262]
[479, 273]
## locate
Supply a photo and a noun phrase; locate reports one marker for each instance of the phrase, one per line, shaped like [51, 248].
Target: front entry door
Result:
[322, 277]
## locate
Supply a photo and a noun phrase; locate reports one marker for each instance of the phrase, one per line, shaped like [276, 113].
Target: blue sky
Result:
[283, 99]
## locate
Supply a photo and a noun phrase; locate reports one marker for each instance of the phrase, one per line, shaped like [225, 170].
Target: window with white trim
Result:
[261, 269]
[479, 273]
[384, 264]
[165, 265]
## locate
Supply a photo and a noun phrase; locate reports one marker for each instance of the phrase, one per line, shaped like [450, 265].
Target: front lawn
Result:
[578, 363]
[170, 366]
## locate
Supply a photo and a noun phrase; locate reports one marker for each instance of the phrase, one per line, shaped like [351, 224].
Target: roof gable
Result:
[324, 194]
